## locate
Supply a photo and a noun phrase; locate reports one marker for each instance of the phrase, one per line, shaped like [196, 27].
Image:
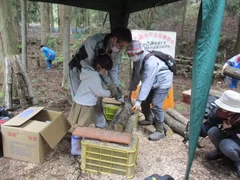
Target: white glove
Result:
[137, 105]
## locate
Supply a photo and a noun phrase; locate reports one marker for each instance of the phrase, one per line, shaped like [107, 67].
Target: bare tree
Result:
[183, 24]
[24, 33]
[61, 20]
[8, 32]
[47, 8]
[43, 24]
[51, 18]
[237, 46]
[66, 47]
[8, 35]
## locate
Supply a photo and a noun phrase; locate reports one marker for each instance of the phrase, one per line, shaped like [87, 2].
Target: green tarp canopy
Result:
[206, 44]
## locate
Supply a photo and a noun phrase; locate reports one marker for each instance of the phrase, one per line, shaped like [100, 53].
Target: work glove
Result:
[224, 66]
[113, 90]
[129, 94]
[137, 105]
[119, 94]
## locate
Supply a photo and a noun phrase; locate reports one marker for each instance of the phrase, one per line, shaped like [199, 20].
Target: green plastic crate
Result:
[106, 158]
[110, 111]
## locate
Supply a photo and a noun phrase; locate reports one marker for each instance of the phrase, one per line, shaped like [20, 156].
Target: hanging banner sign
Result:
[164, 41]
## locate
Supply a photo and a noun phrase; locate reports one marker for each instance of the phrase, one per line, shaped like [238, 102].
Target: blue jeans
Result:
[156, 97]
[49, 64]
[228, 146]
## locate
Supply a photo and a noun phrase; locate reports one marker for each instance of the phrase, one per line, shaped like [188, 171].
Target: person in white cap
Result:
[156, 81]
[227, 139]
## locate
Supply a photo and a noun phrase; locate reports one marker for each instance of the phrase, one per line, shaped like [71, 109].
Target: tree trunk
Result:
[86, 18]
[231, 72]
[2, 55]
[148, 19]
[176, 126]
[8, 35]
[7, 29]
[8, 84]
[27, 82]
[24, 33]
[66, 47]
[21, 87]
[51, 18]
[48, 17]
[237, 46]
[90, 22]
[122, 116]
[43, 24]
[183, 24]
[58, 12]
[61, 20]
[176, 115]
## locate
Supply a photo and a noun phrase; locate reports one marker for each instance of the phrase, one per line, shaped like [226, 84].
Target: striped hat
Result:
[134, 47]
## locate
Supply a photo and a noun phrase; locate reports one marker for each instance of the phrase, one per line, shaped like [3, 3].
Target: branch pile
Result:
[184, 67]
[17, 84]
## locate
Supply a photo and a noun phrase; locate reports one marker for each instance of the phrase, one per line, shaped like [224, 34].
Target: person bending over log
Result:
[156, 81]
[49, 54]
[82, 110]
[113, 44]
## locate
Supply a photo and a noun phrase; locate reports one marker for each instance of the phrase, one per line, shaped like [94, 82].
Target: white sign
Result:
[163, 41]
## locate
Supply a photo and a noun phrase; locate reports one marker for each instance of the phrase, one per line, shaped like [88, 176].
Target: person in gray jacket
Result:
[156, 81]
[111, 44]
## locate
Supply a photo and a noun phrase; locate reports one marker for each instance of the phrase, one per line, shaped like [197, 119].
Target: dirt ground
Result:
[168, 156]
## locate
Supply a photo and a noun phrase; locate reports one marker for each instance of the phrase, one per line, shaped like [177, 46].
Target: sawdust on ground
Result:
[167, 156]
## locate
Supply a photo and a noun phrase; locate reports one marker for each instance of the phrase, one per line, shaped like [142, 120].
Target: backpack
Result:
[80, 55]
[167, 59]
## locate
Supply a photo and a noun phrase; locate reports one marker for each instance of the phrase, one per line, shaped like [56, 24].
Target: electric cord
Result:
[79, 163]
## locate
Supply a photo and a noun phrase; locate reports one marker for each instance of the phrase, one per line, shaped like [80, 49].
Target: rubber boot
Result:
[148, 120]
[214, 155]
[238, 168]
[159, 134]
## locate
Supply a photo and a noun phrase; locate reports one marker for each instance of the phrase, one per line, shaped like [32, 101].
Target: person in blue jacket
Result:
[49, 54]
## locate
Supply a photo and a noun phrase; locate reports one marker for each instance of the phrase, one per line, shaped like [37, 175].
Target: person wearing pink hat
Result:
[156, 81]
[226, 139]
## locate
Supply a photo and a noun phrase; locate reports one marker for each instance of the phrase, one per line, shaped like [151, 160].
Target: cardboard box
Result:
[32, 134]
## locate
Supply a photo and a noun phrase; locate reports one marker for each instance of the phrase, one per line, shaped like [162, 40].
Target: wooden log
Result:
[231, 72]
[8, 84]
[176, 126]
[121, 117]
[103, 135]
[20, 84]
[177, 116]
[217, 66]
[26, 80]
[111, 101]
[184, 57]
[131, 123]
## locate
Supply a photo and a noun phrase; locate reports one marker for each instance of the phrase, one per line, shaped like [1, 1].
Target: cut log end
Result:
[118, 127]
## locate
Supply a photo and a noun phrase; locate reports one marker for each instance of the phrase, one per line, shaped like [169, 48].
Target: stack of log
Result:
[17, 84]
[184, 67]
[125, 120]
[176, 121]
